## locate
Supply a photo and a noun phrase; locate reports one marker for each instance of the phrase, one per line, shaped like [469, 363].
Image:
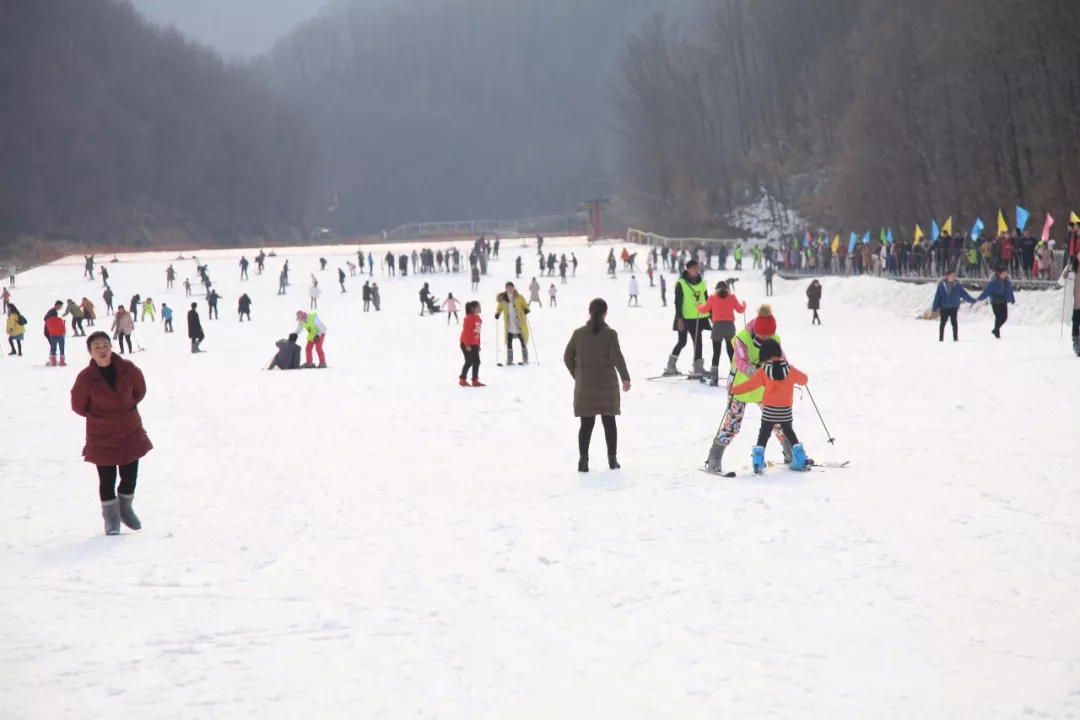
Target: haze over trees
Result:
[890, 112]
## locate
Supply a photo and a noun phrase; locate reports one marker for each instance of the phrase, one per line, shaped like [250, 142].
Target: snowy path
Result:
[374, 541]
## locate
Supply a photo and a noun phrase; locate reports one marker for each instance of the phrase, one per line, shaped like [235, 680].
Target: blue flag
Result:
[1022, 216]
[851, 245]
[888, 236]
[977, 228]
[866, 239]
[934, 232]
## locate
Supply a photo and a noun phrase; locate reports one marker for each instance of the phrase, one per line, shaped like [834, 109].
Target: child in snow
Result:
[632, 291]
[451, 305]
[552, 292]
[16, 329]
[721, 306]
[779, 380]
[314, 292]
[470, 344]
[166, 317]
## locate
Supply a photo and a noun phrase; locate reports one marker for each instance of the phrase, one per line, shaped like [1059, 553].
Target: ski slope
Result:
[372, 541]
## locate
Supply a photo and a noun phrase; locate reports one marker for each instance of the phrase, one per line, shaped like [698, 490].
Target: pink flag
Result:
[1046, 228]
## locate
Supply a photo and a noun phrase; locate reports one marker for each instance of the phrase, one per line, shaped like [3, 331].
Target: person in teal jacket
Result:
[1000, 292]
[166, 317]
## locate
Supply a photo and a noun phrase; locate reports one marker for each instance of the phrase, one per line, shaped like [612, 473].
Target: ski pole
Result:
[533, 338]
[832, 440]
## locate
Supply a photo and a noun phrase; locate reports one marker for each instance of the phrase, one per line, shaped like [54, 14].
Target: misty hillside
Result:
[116, 132]
[432, 110]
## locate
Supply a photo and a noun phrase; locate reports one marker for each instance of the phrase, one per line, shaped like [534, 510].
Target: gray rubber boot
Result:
[699, 368]
[787, 452]
[110, 511]
[714, 376]
[127, 513]
[716, 456]
[671, 369]
[1076, 344]
[524, 354]
[510, 355]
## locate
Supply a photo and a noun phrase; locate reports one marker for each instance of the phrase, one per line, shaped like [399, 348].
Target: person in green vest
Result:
[691, 292]
[756, 252]
[746, 362]
[309, 322]
[738, 257]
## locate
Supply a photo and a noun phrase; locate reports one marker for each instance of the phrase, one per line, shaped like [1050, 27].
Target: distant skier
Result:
[516, 324]
[107, 296]
[632, 289]
[352, 268]
[663, 291]
[194, 328]
[283, 282]
[243, 268]
[470, 344]
[148, 308]
[104, 276]
[366, 294]
[517, 267]
[133, 307]
[778, 380]
[813, 295]
[16, 329]
[1000, 292]
[89, 272]
[947, 304]
[770, 271]
[534, 294]
[5, 297]
[211, 304]
[123, 326]
[288, 354]
[170, 276]
[260, 262]
[341, 279]
[243, 307]
[322, 263]
[167, 317]
[187, 287]
[552, 294]
[375, 299]
[370, 264]
[75, 311]
[314, 292]
[56, 331]
[474, 278]
[451, 305]
[573, 264]
[89, 312]
[310, 324]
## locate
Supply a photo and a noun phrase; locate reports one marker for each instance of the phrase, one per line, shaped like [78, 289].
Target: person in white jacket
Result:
[633, 291]
[314, 292]
[552, 292]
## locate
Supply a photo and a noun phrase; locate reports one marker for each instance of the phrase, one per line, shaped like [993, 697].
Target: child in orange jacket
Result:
[470, 344]
[779, 380]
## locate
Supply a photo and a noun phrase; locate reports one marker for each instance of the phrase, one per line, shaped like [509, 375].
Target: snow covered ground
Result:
[372, 541]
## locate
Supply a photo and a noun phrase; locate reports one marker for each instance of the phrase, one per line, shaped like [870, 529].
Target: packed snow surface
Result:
[373, 541]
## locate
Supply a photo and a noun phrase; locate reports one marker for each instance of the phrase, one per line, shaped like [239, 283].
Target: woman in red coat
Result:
[107, 393]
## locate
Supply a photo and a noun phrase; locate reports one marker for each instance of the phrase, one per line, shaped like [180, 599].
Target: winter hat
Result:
[765, 324]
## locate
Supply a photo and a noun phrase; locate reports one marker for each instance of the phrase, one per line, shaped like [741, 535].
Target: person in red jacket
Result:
[722, 306]
[56, 331]
[107, 393]
[470, 343]
[779, 380]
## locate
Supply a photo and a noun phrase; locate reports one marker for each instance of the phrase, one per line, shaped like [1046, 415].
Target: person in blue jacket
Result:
[947, 303]
[1000, 292]
[166, 317]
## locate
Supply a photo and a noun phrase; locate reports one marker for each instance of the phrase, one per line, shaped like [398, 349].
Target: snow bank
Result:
[1033, 307]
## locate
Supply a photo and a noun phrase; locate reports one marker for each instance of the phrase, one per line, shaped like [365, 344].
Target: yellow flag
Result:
[947, 227]
[836, 244]
[1003, 227]
[918, 234]
[1073, 218]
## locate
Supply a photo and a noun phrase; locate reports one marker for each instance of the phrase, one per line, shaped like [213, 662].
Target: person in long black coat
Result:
[194, 328]
[813, 294]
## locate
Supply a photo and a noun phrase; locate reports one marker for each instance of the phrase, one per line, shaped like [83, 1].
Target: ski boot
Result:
[110, 511]
[787, 451]
[463, 382]
[699, 369]
[322, 366]
[716, 455]
[524, 355]
[714, 376]
[799, 461]
[127, 513]
[758, 457]
[475, 383]
[671, 369]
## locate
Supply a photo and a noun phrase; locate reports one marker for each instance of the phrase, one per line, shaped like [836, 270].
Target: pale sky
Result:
[237, 28]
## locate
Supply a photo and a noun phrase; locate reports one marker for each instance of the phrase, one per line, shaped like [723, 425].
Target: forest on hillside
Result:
[896, 112]
[117, 132]
[434, 110]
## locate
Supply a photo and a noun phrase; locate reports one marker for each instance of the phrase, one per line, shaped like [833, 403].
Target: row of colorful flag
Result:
[886, 237]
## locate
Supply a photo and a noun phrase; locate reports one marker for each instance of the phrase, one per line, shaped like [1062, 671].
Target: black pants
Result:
[815, 319]
[107, 480]
[611, 434]
[689, 326]
[18, 351]
[1075, 324]
[367, 306]
[472, 360]
[768, 288]
[1001, 316]
[510, 341]
[717, 351]
[76, 325]
[948, 315]
[767, 429]
[454, 313]
[122, 338]
[212, 312]
[168, 325]
[243, 313]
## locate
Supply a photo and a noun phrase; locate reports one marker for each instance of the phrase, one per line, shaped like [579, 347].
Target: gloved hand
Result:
[730, 381]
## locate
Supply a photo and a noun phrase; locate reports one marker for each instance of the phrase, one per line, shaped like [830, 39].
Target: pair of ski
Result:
[684, 376]
[511, 364]
[812, 466]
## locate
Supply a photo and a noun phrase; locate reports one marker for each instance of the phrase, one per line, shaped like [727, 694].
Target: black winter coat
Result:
[194, 326]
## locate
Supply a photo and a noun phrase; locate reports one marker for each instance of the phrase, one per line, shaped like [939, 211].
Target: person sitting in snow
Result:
[288, 354]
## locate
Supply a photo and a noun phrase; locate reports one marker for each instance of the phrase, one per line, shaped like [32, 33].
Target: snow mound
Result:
[911, 300]
[768, 218]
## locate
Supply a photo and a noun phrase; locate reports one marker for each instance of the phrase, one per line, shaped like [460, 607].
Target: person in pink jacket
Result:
[451, 306]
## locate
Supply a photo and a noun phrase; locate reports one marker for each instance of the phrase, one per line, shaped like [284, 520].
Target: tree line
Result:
[114, 131]
[868, 112]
